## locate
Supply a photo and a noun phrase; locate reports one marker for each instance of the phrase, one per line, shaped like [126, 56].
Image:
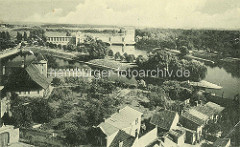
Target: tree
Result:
[158, 97]
[8, 37]
[19, 37]
[3, 35]
[184, 50]
[25, 37]
[117, 55]
[56, 81]
[130, 58]
[140, 60]
[60, 46]
[110, 53]
[68, 34]
[125, 55]
[96, 49]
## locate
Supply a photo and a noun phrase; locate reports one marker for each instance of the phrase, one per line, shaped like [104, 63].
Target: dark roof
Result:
[127, 139]
[163, 119]
[221, 142]
[193, 118]
[40, 57]
[35, 75]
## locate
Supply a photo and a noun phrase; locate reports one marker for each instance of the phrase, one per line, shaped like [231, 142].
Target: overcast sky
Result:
[150, 13]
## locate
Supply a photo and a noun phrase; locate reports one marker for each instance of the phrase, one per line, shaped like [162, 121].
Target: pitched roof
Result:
[221, 142]
[107, 128]
[127, 139]
[194, 117]
[217, 108]
[209, 109]
[163, 119]
[119, 120]
[40, 57]
[35, 75]
[176, 133]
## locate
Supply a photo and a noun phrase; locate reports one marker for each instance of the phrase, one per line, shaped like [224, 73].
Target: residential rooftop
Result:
[163, 119]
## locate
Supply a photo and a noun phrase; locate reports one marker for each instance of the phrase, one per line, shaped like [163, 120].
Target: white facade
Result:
[63, 40]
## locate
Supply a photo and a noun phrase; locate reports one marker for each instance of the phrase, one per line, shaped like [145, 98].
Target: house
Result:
[122, 129]
[27, 76]
[8, 133]
[174, 138]
[194, 120]
[122, 139]
[165, 120]
[222, 142]
[126, 119]
[196, 117]
[212, 110]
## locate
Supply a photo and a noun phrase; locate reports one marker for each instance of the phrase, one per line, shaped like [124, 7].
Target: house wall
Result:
[133, 127]
[13, 133]
[110, 138]
[63, 40]
[190, 137]
[175, 121]
[33, 93]
[181, 140]
[5, 106]
[147, 138]
[42, 67]
[189, 124]
[169, 143]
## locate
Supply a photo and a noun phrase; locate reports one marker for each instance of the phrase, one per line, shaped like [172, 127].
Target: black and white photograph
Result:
[119, 73]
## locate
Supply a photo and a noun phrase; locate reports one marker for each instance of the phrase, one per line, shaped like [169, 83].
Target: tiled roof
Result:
[176, 133]
[205, 110]
[107, 128]
[120, 120]
[221, 142]
[201, 113]
[35, 75]
[40, 57]
[217, 108]
[127, 139]
[164, 119]
[193, 118]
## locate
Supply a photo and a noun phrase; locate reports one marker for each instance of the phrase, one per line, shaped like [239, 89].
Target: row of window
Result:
[27, 92]
[59, 38]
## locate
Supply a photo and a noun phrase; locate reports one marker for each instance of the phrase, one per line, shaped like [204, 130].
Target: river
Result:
[227, 76]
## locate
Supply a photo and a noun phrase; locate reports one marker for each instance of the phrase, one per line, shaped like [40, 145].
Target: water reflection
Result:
[128, 50]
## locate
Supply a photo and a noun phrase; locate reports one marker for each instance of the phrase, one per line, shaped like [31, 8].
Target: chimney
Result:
[120, 144]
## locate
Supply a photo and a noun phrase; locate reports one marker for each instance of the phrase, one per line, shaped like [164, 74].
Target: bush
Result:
[110, 53]
[117, 56]
[184, 50]
[56, 82]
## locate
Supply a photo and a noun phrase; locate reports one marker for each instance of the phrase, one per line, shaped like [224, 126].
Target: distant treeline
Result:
[224, 42]
[76, 26]
[111, 31]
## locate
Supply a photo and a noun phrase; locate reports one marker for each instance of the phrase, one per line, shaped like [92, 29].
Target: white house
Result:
[123, 129]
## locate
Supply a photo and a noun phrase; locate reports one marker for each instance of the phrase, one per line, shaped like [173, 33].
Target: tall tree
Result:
[25, 36]
[8, 36]
[19, 37]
